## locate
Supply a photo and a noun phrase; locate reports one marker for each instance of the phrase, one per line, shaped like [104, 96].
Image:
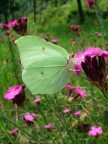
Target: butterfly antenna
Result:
[73, 43]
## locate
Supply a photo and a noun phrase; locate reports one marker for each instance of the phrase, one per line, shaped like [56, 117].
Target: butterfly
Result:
[46, 65]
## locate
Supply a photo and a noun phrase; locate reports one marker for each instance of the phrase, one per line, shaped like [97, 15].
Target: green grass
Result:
[50, 108]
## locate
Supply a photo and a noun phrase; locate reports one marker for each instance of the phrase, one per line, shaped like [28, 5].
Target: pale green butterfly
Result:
[46, 66]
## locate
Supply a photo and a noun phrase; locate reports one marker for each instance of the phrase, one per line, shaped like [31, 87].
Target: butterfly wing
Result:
[44, 63]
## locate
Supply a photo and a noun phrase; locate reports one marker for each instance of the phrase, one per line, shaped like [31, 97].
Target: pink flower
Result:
[107, 77]
[48, 126]
[91, 52]
[13, 91]
[78, 69]
[77, 90]
[81, 92]
[13, 132]
[54, 41]
[99, 35]
[105, 54]
[37, 100]
[7, 32]
[95, 131]
[66, 111]
[23, 20]
[77, 112]
[90, 2]
[19, 26]
[96, 33]
[79, 57]
[16, 94]
[75, 28]
[29, 118]
[11, 23]
[12, 39]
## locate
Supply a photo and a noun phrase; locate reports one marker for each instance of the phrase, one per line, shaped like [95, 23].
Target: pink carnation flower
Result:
[54, 41]
[16, 94]
[77, 112]
[99, 35]
[77, 90]
[29, 118]
[12, 39]
[95, 131]
[91, 52]
[75, 28]
[96, 33]
[90, 2]
[7, 32]
[11, 24]
[66, 111]
[107, 77]
[48, 126]
[37, 100]
[23, 20]
[19, 26]
[13, 91]
[13, 132]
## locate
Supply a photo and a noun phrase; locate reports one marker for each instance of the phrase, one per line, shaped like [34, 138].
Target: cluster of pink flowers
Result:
[91, 52]
[75, 28]
[98, 34]
[95, 131]
[19, 26]
[78, 91]
[93, 62]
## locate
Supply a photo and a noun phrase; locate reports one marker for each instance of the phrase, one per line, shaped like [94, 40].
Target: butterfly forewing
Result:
[33, 49]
